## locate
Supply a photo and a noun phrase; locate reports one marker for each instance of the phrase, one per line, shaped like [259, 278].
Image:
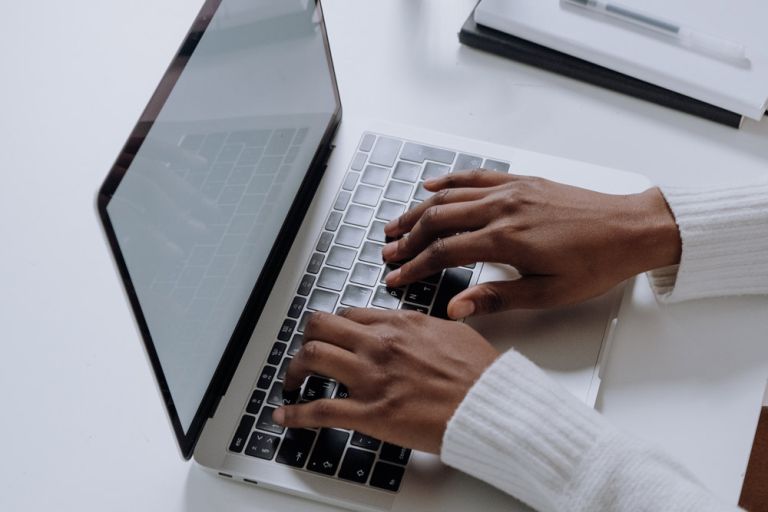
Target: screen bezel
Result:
[263, 286]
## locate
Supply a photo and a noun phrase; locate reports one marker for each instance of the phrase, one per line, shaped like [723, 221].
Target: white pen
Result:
[684, 36]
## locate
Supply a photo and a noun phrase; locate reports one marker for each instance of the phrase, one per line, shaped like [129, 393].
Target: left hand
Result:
[406, 374]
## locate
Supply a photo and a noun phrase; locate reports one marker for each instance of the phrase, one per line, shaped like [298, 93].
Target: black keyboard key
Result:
[286, 330]
[283, 368]
[455, 280]
[342, 200]
[322, 300]
[364, 441]
[256, 401]
[377, 232]
[296, 344]
[389, 210]
[334, 219]
[393, 453]
[355, 296]
[375, 175]
[241, 434]
[276, 394]
[407, 171]
[325, 241]
[413, 307]
[262, 446]
[366, 275]
[385, 151]
[371, 253]
[305, 286]
[358, 162]
[350, 181]
[295, 448]
[418, 153]
[349, 236]
[291, 397]
[387, 476]
[367, 142]
[358, 215]
[433, 170]
[433, 279]
[341, 257]
[368, 196]
[398, 191]
[387, 298]
[495, 165]
[357, 465]
[276, 354]
[265, 379]
[332, 278]
[341, 391]
[420, 293]
[467, 163]
[317, 388]
[328, 451]
[265, 421]
[297, 305]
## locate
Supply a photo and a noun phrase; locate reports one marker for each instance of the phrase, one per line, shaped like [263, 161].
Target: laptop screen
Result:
[208, 190]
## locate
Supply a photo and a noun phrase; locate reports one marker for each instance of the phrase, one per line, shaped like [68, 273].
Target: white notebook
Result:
[634, 52]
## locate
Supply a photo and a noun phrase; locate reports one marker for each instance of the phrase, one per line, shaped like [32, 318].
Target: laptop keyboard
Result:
[385, 178]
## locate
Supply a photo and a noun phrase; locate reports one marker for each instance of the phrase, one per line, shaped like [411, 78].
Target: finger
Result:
[365, 316]
[321, 413]
[318, 357]
[438, 222]
[406, 221]
[335, 329]
[443, 253]
[530, 292]
[472, 179]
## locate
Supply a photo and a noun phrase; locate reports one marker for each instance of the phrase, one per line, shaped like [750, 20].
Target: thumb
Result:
[530, 292]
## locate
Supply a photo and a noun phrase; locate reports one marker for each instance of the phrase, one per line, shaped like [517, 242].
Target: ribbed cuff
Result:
[521, 432]
[724, 232]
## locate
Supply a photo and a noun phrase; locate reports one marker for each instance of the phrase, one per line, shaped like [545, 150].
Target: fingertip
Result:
[461, 309]
[393, 278]
[279, 416]
[432, 184]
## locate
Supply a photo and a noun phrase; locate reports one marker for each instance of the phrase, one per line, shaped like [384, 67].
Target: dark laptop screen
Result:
[213, 182]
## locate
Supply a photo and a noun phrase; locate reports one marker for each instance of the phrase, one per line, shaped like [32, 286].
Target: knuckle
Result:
[436, 251]
[429, 219]
[493, 300]
[323, 411]
[441, 196]
[311, 351]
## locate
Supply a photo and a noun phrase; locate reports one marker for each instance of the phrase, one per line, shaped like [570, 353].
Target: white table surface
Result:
[82, 427]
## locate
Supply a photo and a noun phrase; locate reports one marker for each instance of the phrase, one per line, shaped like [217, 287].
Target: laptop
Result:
[240, 204]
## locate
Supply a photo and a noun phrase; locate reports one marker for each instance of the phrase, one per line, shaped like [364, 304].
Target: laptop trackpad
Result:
[565, 342]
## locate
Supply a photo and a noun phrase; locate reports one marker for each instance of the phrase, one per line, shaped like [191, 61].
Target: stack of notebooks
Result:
[580, 39]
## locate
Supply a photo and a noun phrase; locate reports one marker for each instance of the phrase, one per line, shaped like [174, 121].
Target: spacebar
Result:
[454, 282]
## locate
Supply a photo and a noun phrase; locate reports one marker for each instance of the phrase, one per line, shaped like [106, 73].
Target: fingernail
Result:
[463, 309]
[392, 277]
[389, 250]
[390, 226]
[278, 416]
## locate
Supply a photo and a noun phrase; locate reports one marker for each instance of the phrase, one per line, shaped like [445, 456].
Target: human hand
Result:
[406, 373]
[569, 244]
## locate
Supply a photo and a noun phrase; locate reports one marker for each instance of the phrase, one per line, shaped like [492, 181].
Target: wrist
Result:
[655, 235]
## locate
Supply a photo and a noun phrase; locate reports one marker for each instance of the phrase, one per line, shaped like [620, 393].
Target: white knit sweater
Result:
[521, 432]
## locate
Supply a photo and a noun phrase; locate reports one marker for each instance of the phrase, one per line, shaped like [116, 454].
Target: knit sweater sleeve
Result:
[521, 432]
[724, 232]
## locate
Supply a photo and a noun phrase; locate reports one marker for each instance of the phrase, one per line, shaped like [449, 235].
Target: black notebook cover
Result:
[524, 51]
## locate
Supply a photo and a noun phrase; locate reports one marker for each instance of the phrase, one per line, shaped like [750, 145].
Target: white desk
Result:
[82, 427]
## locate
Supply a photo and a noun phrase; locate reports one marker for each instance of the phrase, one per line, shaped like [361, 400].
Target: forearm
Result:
[724, 242]
[519, 431]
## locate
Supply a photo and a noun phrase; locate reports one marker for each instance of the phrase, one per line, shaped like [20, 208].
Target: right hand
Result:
[569, 244]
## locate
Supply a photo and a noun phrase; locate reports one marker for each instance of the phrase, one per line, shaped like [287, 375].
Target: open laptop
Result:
[240, 204]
